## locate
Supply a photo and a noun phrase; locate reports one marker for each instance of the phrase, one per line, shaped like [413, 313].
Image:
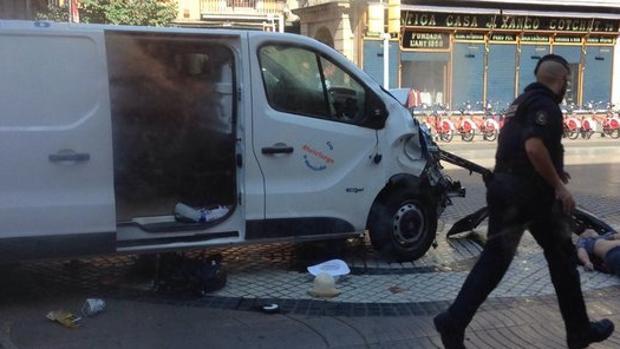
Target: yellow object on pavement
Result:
[64, 318]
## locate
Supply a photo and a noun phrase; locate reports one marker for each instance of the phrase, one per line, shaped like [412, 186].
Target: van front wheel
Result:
[403, 226]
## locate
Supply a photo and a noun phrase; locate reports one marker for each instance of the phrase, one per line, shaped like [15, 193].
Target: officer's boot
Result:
[598, 332]
[452, 336]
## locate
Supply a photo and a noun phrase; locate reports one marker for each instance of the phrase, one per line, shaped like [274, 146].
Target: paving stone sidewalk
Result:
[382, 305]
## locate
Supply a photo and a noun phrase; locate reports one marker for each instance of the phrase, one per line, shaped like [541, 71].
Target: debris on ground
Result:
[270, 308]
[396, 289]
[64, 318]
[324, 286]
[334, 267]
[93, 306]
[198, 276]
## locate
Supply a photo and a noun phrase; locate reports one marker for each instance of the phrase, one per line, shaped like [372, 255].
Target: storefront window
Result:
[530, 54]
[598, 74]
[470, 59]
[501, 80]
[467, 74]
[573, 55]
[427, 73]
[373, 61]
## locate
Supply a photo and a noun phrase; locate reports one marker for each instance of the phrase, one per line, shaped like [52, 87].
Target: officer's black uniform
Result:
[519, 198]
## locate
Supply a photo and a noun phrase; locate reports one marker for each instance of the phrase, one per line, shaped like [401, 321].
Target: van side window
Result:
[300, 81]
[346, 97]
[293, 80]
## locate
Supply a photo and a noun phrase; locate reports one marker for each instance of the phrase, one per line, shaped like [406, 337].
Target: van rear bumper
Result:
[56, 246]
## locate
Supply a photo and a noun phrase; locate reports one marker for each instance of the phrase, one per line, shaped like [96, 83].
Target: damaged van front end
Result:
[404, 217]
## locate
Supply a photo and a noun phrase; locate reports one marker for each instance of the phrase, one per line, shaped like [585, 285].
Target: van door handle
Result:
[68, 156]
[278, 148]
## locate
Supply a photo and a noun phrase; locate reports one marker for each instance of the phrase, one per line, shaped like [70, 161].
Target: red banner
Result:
[75, 12]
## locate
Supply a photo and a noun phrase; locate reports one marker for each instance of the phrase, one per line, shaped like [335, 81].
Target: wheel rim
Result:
[408, 227]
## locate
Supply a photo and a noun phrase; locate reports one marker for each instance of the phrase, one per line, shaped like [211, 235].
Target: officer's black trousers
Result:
[514, 205]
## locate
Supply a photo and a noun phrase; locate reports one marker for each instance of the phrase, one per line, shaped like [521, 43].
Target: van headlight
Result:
[412, 148]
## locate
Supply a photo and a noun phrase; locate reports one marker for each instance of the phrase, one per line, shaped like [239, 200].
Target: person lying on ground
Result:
[601, 252]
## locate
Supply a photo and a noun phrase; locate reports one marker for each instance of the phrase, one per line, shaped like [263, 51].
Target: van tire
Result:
[403, 225]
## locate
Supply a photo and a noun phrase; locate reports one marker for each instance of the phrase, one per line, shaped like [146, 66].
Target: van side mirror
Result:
[376, 112]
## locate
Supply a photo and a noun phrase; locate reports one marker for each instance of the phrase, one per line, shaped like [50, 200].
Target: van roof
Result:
[64, 26]
[23, 27]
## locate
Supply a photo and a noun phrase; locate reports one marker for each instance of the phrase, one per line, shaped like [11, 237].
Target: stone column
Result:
[344, 38]
[190, 8]
[615, 80]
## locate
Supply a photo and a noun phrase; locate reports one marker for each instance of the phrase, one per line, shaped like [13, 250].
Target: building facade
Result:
[478, 52]
[338, 24]
[269, 15]
[16, 9]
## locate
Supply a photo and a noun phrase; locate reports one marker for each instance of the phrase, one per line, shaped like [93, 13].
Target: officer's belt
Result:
[519, 168]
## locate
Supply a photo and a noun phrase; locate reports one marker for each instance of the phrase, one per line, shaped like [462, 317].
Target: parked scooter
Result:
[443, 126]
[490, 126]
[611, 125]
[572, 125]
[435, 119]
[589, 122]
[465, 126]
[598, 120]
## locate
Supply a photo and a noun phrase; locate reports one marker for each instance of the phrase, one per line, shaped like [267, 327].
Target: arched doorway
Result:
[325, 36]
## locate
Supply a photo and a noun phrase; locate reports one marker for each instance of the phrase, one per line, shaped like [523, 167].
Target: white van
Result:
[104, 130]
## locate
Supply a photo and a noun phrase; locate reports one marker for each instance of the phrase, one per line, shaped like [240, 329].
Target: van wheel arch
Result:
[402, 221]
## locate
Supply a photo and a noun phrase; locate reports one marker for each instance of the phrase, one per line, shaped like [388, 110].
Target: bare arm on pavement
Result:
[585, 259]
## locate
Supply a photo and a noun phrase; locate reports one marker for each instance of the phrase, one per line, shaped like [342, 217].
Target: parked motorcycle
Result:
[436, 120]
[611, 125]
[589, 122]
[600, 120]
[465, 125]
[490, 126]
[572, 125]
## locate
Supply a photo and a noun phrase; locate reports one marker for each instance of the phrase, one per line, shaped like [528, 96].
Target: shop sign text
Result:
[466, 21]
[425, 40]
[600, 40]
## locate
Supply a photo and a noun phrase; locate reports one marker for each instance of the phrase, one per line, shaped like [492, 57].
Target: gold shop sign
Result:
[506, 22]
[567, 39]
[534, 38]
[501, 37]
[602, 40]
[429, 40]
[464, 36]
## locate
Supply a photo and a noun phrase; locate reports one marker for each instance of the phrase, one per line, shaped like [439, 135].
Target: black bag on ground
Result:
[197, 276]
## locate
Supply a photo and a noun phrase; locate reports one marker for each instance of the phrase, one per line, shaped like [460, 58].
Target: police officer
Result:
[527, 191]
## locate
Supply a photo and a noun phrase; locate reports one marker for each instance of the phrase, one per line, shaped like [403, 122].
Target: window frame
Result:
[365, 122]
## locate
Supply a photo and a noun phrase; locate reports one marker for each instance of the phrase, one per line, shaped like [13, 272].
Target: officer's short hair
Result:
[554, 58]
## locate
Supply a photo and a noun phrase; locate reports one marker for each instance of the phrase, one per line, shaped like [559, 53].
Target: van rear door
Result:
[56, 176]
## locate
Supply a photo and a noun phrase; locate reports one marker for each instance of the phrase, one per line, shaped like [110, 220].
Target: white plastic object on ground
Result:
[324, 286]
[334, 267]
[93, 306]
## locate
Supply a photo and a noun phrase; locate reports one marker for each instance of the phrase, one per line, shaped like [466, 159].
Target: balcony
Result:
[241, 7]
